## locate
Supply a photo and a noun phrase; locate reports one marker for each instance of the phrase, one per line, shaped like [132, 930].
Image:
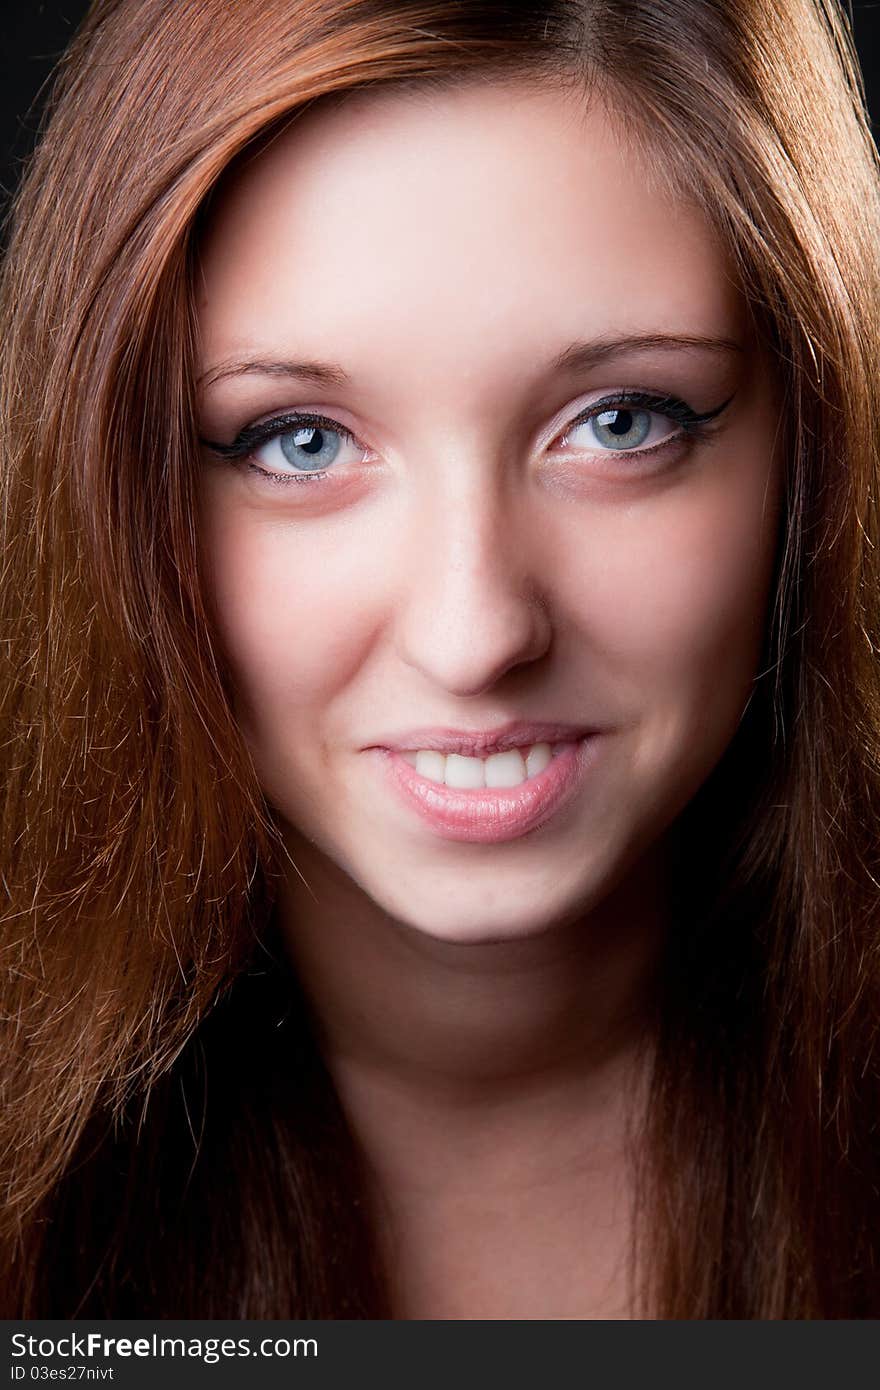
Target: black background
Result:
[33, 34]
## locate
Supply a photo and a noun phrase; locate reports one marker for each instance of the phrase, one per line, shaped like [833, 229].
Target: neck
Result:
[493, 1088]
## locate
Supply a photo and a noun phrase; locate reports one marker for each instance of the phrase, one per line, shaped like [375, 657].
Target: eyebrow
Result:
[316, 373]
[576, 357]
[582, 356]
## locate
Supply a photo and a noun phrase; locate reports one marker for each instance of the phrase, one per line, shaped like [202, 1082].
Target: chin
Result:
[463, 920]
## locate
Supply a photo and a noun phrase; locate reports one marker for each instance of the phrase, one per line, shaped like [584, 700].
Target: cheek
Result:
[288, 605]
[680, 601]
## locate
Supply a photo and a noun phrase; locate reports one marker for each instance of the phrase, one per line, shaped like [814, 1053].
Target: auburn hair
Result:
[172, 1145]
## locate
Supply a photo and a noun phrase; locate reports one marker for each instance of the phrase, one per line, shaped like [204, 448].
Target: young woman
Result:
[442, 713]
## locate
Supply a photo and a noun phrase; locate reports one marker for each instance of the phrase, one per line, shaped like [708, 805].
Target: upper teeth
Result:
[505, 769]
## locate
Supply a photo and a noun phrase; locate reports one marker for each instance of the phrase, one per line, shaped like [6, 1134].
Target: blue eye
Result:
[621, 429]
[308, 447]
[292, 448]
[622, 423]
[301, 448]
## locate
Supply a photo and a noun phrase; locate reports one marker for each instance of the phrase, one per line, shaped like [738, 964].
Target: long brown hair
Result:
[171, 1142]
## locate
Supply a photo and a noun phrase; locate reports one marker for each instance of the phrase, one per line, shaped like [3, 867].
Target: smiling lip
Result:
[476, 743]
[488, 815]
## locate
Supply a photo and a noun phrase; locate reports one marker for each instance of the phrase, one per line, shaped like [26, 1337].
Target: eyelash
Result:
[694, 427]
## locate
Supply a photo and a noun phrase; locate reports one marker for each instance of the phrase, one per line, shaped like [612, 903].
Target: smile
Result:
[492, 799]
[506, 769]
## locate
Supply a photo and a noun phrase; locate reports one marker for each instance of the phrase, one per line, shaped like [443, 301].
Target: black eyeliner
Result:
[250, 438]
[253, 436]
[671, 406]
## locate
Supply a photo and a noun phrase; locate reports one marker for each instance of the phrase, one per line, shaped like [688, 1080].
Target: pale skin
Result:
[471, 558]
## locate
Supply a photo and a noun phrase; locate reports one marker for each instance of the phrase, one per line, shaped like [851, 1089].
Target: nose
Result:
[473, 603]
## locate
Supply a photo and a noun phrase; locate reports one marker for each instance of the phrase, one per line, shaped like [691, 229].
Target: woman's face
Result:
[450, 282]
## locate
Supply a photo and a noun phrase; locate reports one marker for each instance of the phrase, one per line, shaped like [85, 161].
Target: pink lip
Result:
[490, 815]
[479, 743]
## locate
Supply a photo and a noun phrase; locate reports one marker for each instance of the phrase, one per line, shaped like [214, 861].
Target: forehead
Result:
[485, 223]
